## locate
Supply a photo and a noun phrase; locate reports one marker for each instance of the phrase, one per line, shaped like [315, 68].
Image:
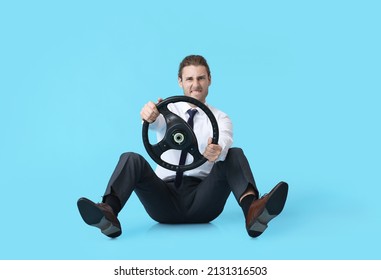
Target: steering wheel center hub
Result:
[178, 138]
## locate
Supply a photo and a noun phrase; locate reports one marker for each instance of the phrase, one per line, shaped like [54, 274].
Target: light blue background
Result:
[300, 80]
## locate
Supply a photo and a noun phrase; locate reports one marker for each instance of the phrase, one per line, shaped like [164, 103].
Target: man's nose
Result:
[196, 83]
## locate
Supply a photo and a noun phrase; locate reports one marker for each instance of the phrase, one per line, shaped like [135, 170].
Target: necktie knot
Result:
[192, 112]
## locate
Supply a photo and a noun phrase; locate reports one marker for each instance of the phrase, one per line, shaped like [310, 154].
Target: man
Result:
[195, 196]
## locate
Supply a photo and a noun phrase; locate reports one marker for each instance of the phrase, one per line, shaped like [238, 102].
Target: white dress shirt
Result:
[203, 131]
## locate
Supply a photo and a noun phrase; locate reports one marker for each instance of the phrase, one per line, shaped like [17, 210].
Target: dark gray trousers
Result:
[194, 201]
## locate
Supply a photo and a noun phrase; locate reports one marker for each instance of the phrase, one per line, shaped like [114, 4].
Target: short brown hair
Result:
[195, 60]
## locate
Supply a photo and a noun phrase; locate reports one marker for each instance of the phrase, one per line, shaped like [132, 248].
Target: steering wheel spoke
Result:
[161, 147]
[193, 149]
[196, 155]
[173, 119]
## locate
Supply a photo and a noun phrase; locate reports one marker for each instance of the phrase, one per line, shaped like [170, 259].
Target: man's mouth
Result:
[196, 90]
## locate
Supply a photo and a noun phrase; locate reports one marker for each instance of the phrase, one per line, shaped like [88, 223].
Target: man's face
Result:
[195, 82]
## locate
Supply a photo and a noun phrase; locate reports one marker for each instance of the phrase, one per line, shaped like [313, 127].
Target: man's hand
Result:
[212, 151]
[149, 112]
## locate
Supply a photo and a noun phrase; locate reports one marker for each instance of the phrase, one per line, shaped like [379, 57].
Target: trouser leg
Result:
[238, 173]
[231, 175]
[133, 173]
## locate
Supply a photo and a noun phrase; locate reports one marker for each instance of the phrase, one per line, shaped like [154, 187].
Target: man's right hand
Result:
[149, 112]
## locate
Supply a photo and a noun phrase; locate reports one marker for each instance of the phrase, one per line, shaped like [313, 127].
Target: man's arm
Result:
[218, 152]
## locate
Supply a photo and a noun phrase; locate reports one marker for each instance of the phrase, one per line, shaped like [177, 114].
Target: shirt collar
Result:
[184, 107]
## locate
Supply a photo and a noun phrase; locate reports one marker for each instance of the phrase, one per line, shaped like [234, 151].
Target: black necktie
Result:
[183, 156]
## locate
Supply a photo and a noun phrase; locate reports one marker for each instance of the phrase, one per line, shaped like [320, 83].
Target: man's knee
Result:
[235, 152]
[131, 156]
[236, 158]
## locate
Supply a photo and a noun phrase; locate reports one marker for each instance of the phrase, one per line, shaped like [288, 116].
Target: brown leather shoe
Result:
[263, 210]
[99, 215]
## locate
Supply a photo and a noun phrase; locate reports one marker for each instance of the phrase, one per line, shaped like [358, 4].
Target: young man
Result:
[198, 195]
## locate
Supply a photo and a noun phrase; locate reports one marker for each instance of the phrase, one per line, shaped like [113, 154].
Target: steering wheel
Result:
[179, 135]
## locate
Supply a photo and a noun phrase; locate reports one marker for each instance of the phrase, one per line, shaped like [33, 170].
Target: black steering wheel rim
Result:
[179, 135]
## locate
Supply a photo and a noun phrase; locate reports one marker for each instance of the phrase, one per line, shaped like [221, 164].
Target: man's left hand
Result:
[212, 151]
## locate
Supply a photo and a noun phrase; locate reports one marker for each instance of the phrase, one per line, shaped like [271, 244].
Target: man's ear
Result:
[180, 81]
[210, 80]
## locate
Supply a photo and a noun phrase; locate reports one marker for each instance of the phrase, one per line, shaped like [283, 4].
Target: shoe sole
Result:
[93, 216]
[273, 208]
